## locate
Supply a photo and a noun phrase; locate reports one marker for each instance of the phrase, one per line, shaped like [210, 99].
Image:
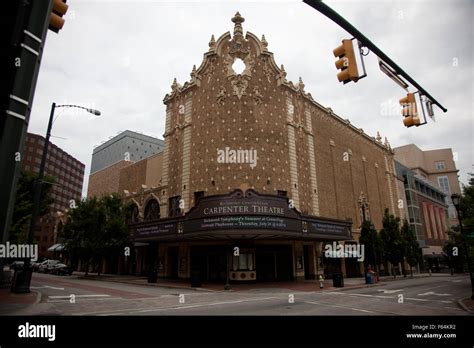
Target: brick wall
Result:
[106, 180]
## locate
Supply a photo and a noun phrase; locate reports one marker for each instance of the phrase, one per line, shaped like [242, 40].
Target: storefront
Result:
[244, 235]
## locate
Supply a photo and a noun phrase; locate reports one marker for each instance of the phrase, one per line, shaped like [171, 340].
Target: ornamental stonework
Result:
[258, 109]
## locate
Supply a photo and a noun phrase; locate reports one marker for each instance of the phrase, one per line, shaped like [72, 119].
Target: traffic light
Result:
[56, 21]
[409, 110]
[346, 62]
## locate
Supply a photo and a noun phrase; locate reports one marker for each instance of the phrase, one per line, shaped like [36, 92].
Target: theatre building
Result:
[256, 175]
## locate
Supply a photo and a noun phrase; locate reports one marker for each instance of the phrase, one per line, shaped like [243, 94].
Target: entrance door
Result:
[210, 262]
[306, 258]
[173, 253]
[274, 262]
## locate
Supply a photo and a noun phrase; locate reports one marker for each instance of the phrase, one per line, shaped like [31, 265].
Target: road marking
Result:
[390, 297]
[361, 295]
[386, 291]
[132, 310]
[68, 297]
[433, 293]
[46, 287]
[205, 304]
[345, 307]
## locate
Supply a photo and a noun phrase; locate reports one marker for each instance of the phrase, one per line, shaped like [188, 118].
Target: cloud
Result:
[121, 57]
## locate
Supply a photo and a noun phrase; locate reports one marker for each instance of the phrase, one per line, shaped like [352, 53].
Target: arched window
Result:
[133, 213]
[152, 210]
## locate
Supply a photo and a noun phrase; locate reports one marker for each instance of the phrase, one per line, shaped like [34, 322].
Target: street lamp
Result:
[456, 198]
[22, 279]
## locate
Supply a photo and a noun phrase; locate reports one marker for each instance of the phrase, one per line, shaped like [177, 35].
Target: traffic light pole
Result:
[365, 42]
[26, 36]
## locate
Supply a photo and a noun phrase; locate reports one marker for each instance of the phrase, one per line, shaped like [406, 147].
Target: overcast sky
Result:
[121, 57]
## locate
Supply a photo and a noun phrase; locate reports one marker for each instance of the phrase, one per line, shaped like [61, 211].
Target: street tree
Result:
[24, 204]
[94, 229]
[391, 240]
[372, 245]
[411, 248]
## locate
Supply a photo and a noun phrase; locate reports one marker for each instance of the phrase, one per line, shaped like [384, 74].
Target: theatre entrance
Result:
[274, 262]
[210, 262]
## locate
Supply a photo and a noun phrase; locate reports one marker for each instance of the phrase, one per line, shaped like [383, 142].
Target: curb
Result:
[38, 298]
[463, 306]
[151, 284]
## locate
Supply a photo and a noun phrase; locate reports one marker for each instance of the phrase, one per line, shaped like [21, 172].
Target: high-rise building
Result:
[119, 152]
[68, 174]
[128, 146]
[438, 166]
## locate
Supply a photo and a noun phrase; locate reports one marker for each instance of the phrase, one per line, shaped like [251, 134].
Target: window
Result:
[197, 196]
[152, 210]
[175, 210]
[440, 165]
[443, 183]
[243, 262]
[133, 213]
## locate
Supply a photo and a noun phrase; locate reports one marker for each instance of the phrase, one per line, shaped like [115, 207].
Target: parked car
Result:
[35, 266]
[47, 265]
[61, 269]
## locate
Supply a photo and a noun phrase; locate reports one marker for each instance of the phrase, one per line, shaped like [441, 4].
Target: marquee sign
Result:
[243, 211]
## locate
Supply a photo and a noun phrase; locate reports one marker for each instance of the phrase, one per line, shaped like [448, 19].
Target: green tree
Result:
[115, 234]
[372, 245]
[459, 241]
[391, 240]
[454, 251]
[94, 229]
[411, 248]
[466, 205]
[81, 230]
[24, 204]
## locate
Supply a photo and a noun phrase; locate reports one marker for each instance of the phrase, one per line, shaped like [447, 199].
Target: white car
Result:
[47, 265]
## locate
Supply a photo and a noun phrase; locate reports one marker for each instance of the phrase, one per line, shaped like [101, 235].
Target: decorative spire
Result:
[301, 84]
[212, 43]
[386, 143]
[283, 72]
[378, 138]
[193, 72]
[264, 42]
[238, 20]
[174, 85]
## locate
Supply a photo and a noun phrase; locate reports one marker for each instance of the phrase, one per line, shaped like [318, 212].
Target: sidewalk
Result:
[10, 302]
[307, 285]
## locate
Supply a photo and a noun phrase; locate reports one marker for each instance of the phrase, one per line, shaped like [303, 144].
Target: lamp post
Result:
[456, 198]
[21, 281]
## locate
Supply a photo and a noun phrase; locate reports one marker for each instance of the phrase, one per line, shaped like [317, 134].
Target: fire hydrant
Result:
[321, 280]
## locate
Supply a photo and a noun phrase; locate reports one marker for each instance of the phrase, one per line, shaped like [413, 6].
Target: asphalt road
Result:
[73, 296]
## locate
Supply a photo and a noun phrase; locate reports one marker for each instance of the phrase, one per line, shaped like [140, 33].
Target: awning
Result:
[56, 247]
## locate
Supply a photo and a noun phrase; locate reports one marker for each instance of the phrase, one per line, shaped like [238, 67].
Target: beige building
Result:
[438, 166]
[253, 162]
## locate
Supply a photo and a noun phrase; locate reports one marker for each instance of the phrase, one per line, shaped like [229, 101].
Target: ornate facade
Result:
[254, 134]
